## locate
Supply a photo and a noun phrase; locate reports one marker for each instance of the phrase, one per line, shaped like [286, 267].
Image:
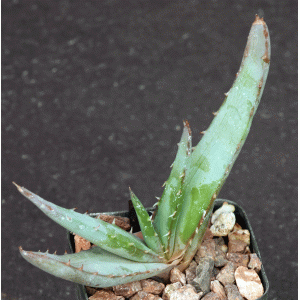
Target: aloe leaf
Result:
[196, 239]
[107, 236]
[171, 199]
[214, 156]
[95, 267]
[149, 234]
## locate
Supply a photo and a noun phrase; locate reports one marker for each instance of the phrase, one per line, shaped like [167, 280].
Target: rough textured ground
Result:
[93, 98]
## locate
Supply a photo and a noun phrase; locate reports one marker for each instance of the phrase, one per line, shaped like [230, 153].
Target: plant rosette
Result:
[171, 238]
[242, 251]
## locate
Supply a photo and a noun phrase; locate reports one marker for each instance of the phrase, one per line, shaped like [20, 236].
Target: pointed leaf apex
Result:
[187, 125]
[130, 191]
[18, 187]
[259, 20]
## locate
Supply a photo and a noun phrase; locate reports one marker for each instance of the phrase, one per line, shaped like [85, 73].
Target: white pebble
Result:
[223, 224]
[224, 208]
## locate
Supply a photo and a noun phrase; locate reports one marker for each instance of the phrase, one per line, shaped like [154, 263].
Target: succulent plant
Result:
[197, 176]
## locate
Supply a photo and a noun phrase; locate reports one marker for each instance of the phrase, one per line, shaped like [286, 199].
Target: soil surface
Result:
[93, 98]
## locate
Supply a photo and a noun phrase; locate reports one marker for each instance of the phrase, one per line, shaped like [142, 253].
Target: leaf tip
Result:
[258, 20]
[18, 187]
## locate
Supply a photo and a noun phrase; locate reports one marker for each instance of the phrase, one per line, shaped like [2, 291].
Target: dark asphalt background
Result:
[93, 98]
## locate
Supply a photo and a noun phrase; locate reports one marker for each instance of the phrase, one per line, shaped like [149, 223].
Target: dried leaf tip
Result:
[187, 125]
[258, 20]
[18, 187]
[130, 191]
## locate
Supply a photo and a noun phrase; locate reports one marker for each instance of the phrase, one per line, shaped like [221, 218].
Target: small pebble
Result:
[105, 295]
[238, 259]
[211, 296]
[237, 246]
[226, 275]
[232, 292]
[220, 259]
[177, 276]
[254, 262]
[81, 244]
[206, 249]
[152, 286]
[225, 208]
[223, 224]
[203, 274]
[248, 283]
[218, 288]
[141, 295]
[241, 234]
[128, 289]
[190, 272]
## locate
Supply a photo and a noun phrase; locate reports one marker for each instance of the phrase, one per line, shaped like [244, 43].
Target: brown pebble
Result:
[238, 259]
[81, 243]
[190, 272]
[226, 275]
[141, 295]
[220, 259]
[208, 234]
[105, 295]
[237, 246]
[206, 249]
[218, 288]
[254, 262]
[152, 286]
[232, 292]
[240, 234]
[211, 296]
[128, 289]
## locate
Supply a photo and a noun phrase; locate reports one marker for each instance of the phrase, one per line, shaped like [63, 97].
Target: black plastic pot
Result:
[241, 218]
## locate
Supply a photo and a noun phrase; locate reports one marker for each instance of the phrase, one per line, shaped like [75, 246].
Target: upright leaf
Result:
[150, 235]
[213, 158]
[171, 199]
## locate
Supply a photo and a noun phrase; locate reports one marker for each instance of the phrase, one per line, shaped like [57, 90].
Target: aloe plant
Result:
[184, 209]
